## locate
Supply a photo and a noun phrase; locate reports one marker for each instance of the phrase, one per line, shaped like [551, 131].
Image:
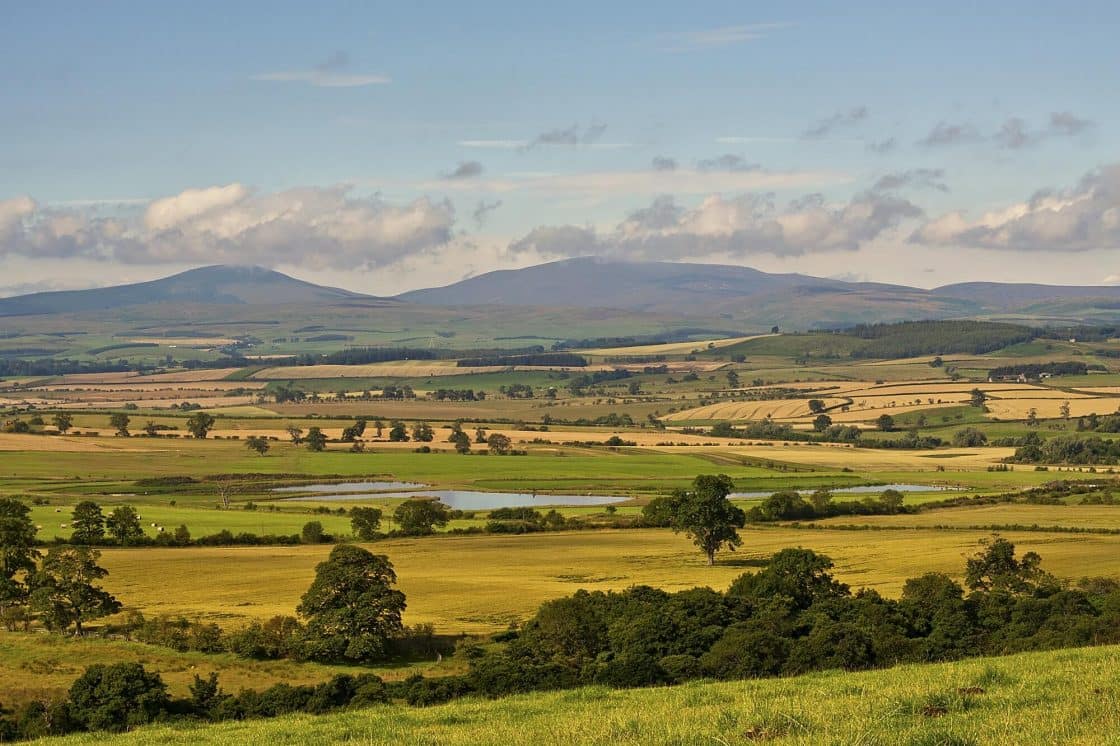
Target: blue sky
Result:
[142, 138]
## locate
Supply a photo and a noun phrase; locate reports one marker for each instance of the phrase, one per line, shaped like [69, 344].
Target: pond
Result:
[861, 490]
[470, 500]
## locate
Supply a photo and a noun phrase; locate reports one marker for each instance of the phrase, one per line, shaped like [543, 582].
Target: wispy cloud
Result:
[723, 36]
[572, 136]
[465, 170]
[331, 73]
[749, 139]
[840, 119]
[493, 144]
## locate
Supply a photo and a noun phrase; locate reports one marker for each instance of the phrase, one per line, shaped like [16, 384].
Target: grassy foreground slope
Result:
[1064, 696]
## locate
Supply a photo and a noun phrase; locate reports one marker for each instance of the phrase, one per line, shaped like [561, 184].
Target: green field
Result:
[1067, 697]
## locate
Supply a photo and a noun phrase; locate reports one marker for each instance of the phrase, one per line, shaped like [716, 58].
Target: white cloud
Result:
[1082, 218]
[317, 227]
[736, 226]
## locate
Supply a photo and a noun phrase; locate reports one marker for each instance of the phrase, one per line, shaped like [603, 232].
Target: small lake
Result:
[470, 500]
[353, 487]
[861, 490]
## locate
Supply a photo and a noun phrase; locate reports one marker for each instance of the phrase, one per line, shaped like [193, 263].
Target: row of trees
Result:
[791, 617]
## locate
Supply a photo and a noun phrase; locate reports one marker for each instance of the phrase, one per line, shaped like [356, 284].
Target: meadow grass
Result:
[41, 667]
[483, 583]
[1066, 697]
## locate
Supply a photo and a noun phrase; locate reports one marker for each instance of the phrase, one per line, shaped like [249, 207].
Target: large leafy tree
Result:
[365, 522]
[351, 608]
[200, 423]
[17, 558]
[706, 515]
[64, 590]
[123, 524]
[117, 696]
[420, 517]
[315, 439]
[88, 523]
[119, 421]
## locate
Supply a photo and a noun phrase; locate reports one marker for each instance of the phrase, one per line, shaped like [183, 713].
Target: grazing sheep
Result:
[62, 525]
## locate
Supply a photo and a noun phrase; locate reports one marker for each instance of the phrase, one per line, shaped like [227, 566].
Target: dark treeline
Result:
[913, 338]
[1081, 450]
[1036, 370]
[540, 359]
[791, 617]
[768, 429]
[678, 335]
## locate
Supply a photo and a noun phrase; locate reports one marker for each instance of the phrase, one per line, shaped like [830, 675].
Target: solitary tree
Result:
[355, 431]
[119, 421]
[88, 523]
[63, 422]
[462, 442]
[822, 423]
[891, 500]
[351, 608]
[378, 427]
[365, 522]
[996, 569]
[480, 435]
[705, 514]
[732, 379]
[64, 591]
[17, 559]
[295, 433]
[499, 444]
[257, 443]
[977, 398]
[422, 432]
[123, 524]
[315, 439]
[312, 533]
[1063, 410]
[200, 423]
[420, 517]
[816, 406]
[398, 432]
[885, 423]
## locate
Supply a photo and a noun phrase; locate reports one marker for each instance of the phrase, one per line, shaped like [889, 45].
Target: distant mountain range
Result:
[793, 300]
[217, 285]
[745, 296]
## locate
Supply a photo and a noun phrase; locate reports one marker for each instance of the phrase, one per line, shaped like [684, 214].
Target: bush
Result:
[117, 696]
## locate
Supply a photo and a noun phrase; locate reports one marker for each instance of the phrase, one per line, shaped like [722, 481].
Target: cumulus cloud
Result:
[916, 178]
[330, 73]
[663, 163]
[838, 120]
[727, 162]
[742, 225]
[315, 227]
[1081, 218]
[465, 170]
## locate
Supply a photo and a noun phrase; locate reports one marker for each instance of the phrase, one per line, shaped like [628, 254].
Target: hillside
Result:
[216, 285]
[1064, 696]
[759, 299]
